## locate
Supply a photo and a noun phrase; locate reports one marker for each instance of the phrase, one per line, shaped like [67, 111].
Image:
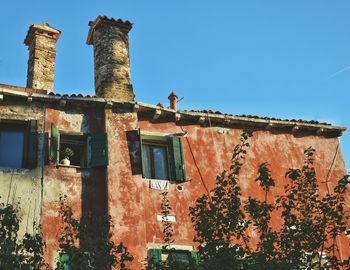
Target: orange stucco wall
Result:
[85, 188]
[207, 150]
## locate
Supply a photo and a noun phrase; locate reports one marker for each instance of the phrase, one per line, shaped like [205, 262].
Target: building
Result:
[126, 151]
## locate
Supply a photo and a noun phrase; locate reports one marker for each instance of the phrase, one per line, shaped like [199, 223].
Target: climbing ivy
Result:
[311, 222]
[219, 220]
[19, 253]
[86, 243]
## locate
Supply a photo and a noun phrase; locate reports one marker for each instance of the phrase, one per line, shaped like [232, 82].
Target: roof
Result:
[158, 113]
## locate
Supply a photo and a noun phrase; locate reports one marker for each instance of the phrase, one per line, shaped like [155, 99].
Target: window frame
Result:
[80, 137]
[96, 145]
[151, 144]
[158, 256]
[175, 155]
[30, 141]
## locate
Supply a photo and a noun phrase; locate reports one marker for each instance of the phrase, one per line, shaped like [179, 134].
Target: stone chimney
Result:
[41, 41]
[111, 58]
[173, 101]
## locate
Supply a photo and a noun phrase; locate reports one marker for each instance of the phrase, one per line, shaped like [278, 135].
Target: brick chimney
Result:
[41, 41]
[111, 58]
[173, 101]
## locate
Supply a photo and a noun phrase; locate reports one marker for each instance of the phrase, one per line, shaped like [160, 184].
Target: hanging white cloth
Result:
[158, 184]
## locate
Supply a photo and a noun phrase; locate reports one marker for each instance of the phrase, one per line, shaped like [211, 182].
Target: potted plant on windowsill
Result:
[67, 153]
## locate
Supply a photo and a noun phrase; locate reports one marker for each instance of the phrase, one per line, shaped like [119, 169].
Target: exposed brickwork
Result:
[111, 58]
[41, 41]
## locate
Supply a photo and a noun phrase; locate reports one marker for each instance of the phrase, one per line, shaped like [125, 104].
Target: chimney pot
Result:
[41, 41]
[173, 101]
[111, 58]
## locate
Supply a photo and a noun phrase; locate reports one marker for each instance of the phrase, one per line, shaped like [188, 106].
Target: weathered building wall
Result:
[24, 186]
[126, 196]
[207, 152]
[84, 187]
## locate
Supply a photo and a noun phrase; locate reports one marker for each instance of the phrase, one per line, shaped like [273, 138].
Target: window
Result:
[84, 149]
[73, 148]
[162, 158]
[18, 144]
[155, 157]
[172, 257]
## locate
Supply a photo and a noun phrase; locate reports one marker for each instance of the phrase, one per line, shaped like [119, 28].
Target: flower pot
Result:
[65, 161]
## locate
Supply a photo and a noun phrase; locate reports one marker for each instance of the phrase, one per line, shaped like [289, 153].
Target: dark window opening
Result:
[182, 257]
[155, 161]
[78, 146]
[162, 158]
[18, 144]
[12, 145]
[173, 259]
[82, 150]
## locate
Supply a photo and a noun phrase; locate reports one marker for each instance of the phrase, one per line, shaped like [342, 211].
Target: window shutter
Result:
[142, 157]
[196, 259]
[99, 150]
[63, 262]
[134, 146]
[177, 163]
[155, 257]
[32, 145]
[54, 146]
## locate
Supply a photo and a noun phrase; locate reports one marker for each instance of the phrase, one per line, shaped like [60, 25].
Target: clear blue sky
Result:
[286, 59]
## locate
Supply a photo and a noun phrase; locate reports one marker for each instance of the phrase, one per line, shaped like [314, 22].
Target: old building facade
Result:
[126, 152]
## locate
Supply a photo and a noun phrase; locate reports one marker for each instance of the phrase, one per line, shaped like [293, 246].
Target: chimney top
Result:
[125, 26]
[173, 100]
[172, 96]
[44, 29]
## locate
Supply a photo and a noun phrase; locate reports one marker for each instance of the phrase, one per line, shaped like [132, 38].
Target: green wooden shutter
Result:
[54, 146]
[155, 256]
[134, 146]
[141, 154]
[177, 162]
[196, 259]
[63, 262]
[99, 150]
[32, 145]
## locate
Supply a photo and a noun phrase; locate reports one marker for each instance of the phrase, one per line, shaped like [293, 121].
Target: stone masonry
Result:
[111, 58]
[41, 41]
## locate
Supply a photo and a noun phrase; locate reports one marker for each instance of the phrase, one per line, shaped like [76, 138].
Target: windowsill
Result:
[170, 181]
[72, 166]
[155, 179]
[14, 170]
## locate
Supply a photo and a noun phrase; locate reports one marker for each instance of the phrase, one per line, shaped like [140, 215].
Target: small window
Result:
[73, 148]
[162, 158]
[18, 144]
[87, 150]
[173, 257]
[155, 159]
[182, 257]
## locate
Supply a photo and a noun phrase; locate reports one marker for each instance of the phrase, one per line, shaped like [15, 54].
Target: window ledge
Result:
[72, 166]
[14, 171]
[147, 179]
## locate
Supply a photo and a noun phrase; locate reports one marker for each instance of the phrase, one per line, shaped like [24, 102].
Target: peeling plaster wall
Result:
[23, 186]
[84, 186]
[208, 151]
[126, 196]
